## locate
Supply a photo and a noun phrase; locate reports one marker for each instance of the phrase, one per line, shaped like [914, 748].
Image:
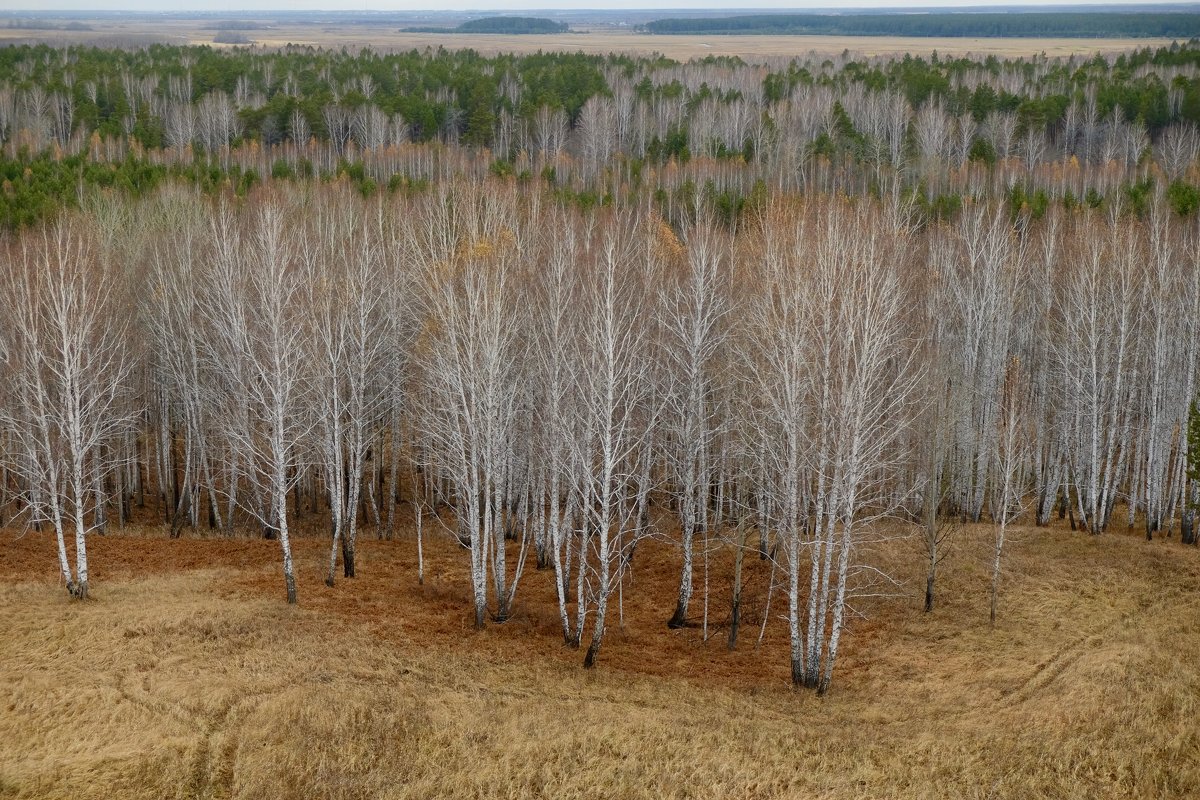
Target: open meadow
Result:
[595, 40]
[186, 675]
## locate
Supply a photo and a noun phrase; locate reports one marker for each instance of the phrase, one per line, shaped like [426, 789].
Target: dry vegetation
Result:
[187, 676]
[600, 40]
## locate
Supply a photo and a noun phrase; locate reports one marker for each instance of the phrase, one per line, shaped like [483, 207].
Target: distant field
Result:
[187, 676]
[600, 40]
[1077, 24]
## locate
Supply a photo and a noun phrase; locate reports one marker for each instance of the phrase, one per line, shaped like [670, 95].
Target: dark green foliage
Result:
[933, 208]
[512, 25]
[1038, 203]
[778, 85]
[1138, 196]
[982, 150]
[409, 84]
[1022, 201]
[945, 207]
[32, 189]
[1183, 197]
[675, 146]
[505, 24]
[822, 146]
[246, 182]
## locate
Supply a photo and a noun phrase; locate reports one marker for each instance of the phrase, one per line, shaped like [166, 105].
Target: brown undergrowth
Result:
[188, 676]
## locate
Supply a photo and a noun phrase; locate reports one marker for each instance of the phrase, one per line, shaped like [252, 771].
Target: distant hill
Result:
[1035, 24]
[507, 25]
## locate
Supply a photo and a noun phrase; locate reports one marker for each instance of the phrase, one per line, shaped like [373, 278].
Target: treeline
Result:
[1026, 23]
[35, 24]
[505, 24]
[548, 386]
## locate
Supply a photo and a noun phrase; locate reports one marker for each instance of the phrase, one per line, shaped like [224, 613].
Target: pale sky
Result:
[508, 5]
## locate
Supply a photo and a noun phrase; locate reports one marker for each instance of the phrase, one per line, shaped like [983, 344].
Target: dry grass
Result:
[598, 40]
[187, 676]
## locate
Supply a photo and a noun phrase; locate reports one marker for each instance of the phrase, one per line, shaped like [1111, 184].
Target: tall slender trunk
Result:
[735, 614]
[478, 552]
[561, 575]
[688, 529]
[581, 567]
[64, 565]
[99, 499]
[81, 564]
[231, 501]
[494, 512]
[354, 491]
[336, 530]
[420, 549]
[798, 645]
[839, 606]
[392, 489]
[604, 590]
[931, 540]
[995, 590]
[285, 544]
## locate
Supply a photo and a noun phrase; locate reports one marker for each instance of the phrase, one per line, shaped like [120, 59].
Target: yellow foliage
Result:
[508, 240]
[666, 244]
[480, 250]
[483, 249]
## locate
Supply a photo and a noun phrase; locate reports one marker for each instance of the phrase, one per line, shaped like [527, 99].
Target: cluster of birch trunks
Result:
[550, 386]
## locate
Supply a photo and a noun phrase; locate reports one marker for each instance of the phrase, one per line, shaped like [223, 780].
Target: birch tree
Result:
[469, 298]
[614, 413]
[171, 316]
[64, 361]
[696, 305]
[1012, 454]
[556, 287]
[837, 375]
[254, 300]
[980, 269]
[348, 292]
[1098, 315]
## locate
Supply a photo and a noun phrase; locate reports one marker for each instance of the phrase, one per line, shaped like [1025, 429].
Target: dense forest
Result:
[505, 24]
[1039, 132]
[557, 304]
[1049, 24]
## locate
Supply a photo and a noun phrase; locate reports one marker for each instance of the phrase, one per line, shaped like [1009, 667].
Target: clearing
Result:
[188, 676]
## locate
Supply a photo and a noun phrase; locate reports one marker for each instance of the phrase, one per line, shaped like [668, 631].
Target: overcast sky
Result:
[493, 5]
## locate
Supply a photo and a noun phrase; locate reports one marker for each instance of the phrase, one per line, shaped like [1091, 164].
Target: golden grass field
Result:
[595, 40]
[187, 676]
